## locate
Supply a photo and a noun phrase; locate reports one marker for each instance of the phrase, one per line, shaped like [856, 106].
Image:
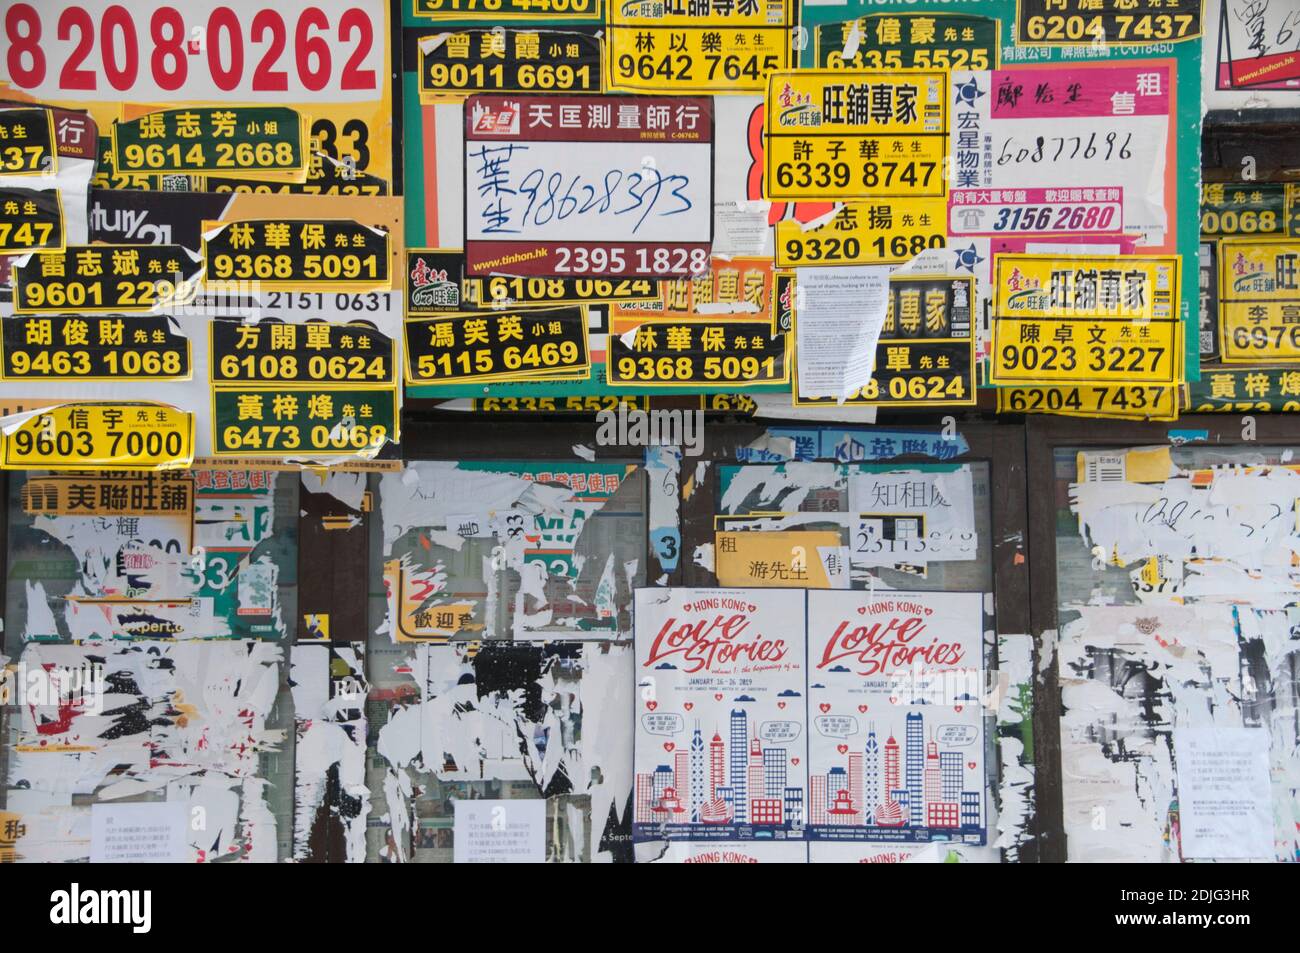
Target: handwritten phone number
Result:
[643, 191]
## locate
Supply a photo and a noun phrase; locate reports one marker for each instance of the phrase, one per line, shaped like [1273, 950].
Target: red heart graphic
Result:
[652, 705]
[669, 746]
[862, 610]
[971, 765]
[862, 708]
[956, 708]
[794, 761]
[717, 697]
[842, 749]
[688, 705]
[825, 707]
[893, 699]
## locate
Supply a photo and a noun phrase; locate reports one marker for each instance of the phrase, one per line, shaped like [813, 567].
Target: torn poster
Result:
[518, 720]
[185, 722]
[720, 747]
[203, 553]
[512, 549]
[896, 744]
[915, 516]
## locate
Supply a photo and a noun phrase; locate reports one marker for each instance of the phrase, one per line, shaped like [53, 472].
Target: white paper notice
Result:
[840, 312]
[152, 833]
[500, 832]
[1224, 804]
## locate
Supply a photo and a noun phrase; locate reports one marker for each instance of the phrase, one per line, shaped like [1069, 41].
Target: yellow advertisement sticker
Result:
[93, 435]
[697, 48]
[789, 558]
[834, 135]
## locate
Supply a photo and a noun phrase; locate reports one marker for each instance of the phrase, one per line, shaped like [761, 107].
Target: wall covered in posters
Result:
[354, 364]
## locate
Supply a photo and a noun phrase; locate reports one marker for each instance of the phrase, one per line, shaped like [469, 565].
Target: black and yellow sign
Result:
[835, 135]
[1250, 208]
[103, 278]
[110, 436]
[1259, 300]
[885, 231]
[508, 9]
[1251, 332]
[727, 353]
[218, 139]
[273, 352]
[1265, 270]
[694, 46]
[1119, 401]
[1085, 350]
[926, 353]
[454, 65]
[1086, 320]
[1132, 287]
[297, 255]
[169, 493]
[436, 284]
[27, 142]
[497, 346]
[954, 41]
[30, 220]
[1115, 22]
[315, 422]
[93, 348]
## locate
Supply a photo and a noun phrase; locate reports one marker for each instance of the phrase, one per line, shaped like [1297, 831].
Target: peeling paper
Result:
[184, 719]
[663, 466]
[1134, 676]
[550, 715]
[346, 487]
[703, 556]
[1014, 729]
[534, 575]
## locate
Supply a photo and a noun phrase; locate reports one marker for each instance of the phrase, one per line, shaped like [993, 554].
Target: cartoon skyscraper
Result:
[915, 761]
[738, 758]
[871, 773]
[697, 774]
[717, 766]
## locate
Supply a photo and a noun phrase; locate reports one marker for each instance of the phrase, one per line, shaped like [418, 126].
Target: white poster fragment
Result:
[1224, 805]
[841, 311]
[148, 833]
[500, 832]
